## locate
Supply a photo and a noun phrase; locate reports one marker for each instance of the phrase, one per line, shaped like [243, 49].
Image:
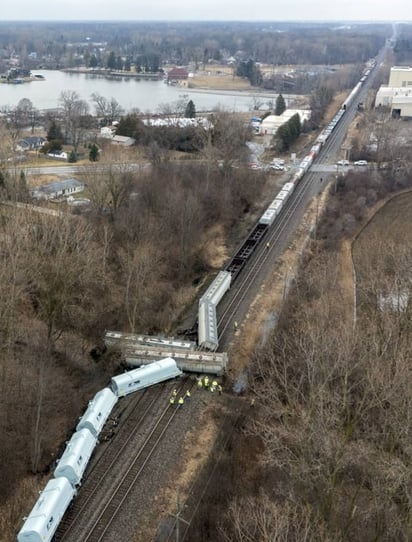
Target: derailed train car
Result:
[45, 517]
[145, 376]
[43, 520]
[98, 411]
[76, 456]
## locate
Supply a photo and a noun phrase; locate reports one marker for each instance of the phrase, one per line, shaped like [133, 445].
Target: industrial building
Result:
[397, 94]
[271, 123]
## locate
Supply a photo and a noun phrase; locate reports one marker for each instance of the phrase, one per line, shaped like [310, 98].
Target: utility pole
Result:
[317, 216]
[177, 516]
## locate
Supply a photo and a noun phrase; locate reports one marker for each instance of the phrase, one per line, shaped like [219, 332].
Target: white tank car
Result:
[75, 458]
[48, 511]
[145, 376]
[217, 289]
[208, 337]
[98, 411]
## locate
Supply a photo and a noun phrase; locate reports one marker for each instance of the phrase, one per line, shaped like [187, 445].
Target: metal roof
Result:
[58, 186]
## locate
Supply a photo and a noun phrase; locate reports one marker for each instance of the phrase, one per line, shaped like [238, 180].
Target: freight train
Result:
[44, 519]
[207, 322]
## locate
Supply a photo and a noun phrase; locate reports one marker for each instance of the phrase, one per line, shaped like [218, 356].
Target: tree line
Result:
[153, 45]
[130, 263]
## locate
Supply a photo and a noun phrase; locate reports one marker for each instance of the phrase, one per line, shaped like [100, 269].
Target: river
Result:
[147, 96]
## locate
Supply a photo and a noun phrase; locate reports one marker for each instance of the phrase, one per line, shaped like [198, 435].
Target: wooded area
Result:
[325, 455]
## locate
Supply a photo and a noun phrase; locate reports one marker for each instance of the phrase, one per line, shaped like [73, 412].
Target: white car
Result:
[342, 163]
[360, 163]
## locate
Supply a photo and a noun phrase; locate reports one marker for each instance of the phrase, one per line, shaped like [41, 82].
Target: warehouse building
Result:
[270, 124]
[397, 95]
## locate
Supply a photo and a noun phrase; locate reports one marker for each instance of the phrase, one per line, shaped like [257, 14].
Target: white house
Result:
[60, 155]
[58, 189]
[124, 141]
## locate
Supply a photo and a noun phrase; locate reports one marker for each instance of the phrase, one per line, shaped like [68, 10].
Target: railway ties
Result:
[109, 512]
[130, 421]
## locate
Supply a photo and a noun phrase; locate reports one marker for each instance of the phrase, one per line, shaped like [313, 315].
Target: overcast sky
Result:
[212, 10]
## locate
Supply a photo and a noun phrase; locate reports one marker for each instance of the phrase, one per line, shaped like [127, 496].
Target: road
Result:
[72, 169]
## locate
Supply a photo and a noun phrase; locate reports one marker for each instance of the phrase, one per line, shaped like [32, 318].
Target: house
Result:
[124, 141]
[177, 76]
[61, 155]
[58, 189]
[32, 143]
[107, 131]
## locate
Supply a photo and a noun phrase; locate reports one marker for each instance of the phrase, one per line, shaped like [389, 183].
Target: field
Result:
[224, 80]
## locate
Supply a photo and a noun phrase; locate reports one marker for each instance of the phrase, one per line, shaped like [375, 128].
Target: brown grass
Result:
[220, 82]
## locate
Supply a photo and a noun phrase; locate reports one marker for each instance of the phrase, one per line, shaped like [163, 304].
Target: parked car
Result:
[342, 163]
[360, 163]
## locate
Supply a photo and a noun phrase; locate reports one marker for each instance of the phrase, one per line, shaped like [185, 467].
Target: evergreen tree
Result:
[72, 157]
[54, 132]
[190, 111]
[295, 126]
[111, 61]
[283, 138]
[131, 126]
[288, 133]
[93, 153]
[119, 63]
[280, 105]
[249, 70]
[93, 61]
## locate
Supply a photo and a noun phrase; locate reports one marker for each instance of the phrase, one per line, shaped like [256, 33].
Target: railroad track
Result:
[132, 452]
[247, 277]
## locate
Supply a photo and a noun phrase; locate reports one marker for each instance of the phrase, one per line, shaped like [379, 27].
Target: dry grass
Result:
[216, 77]
[26, 491]
[220, 82]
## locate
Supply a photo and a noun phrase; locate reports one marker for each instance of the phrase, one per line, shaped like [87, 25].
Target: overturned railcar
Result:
[145, 376]
[73, 462]
[43, 520]
[98, 411]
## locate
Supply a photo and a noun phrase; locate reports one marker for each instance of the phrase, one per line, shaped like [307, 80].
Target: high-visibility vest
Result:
[181, 401]
[206, 381]
[199, 383]
[174, 392]
[187, 393]
[172, 400]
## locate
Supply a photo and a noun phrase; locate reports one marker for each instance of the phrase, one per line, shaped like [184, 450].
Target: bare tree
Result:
[140, 267]
[76, 119]
[62, 276]
[263, 520]
[108, 110]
